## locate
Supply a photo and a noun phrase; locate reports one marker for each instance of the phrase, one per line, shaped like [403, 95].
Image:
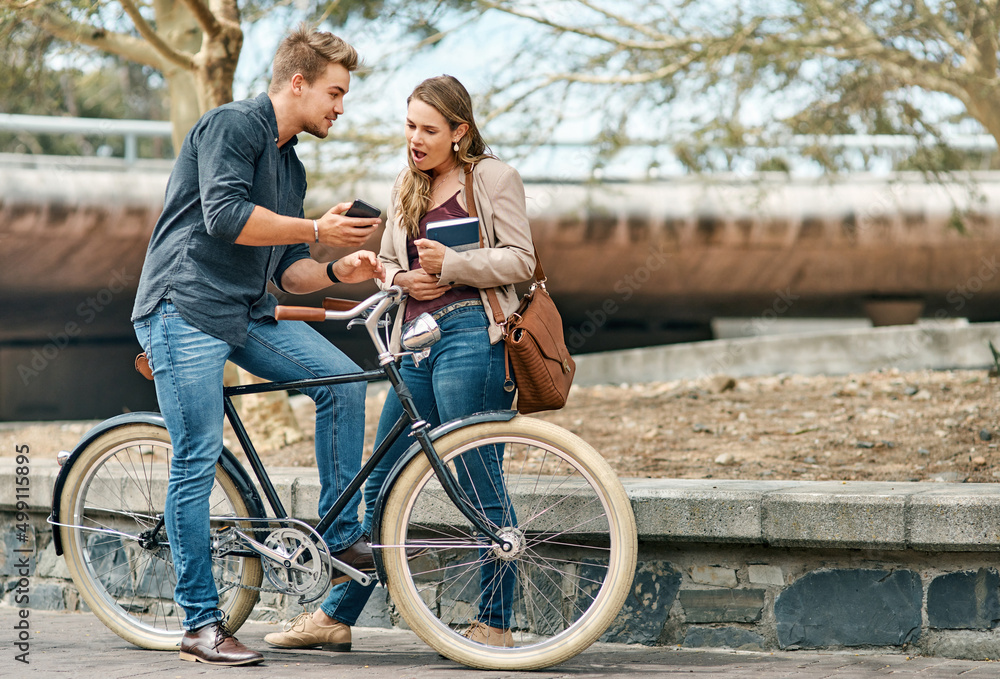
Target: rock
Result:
[722, 605]
[722, 383]
[761, 574]
[965, 600]
[725, 459]
[948, 477]
[850, 607]
[647, 606]
[724, 637]
[714, 575]
[922, 395]
[864, 444]
[979, 460]
[923, 451]
[985, 435]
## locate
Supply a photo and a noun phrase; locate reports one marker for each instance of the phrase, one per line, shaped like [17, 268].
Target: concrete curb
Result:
[811, 514]
[935, 346]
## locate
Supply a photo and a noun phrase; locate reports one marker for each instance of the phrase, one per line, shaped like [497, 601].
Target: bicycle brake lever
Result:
[420, 355]
[360, 320]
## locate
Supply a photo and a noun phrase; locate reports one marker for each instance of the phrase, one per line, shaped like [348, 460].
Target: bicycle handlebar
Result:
[299, 313]
[341, 309]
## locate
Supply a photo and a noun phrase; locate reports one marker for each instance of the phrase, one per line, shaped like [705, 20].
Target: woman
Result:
[465, 371]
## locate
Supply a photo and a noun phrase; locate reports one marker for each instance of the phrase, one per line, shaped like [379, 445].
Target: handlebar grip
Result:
[299, 313]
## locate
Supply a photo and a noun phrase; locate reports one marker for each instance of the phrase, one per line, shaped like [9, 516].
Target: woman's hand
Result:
[420, 285]
[431, 255]
[359, 266]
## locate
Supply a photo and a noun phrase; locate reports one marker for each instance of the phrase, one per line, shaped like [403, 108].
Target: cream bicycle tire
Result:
[576, 534]
[120, 481]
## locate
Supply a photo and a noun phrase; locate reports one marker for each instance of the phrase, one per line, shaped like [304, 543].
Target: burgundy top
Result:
[450, 209]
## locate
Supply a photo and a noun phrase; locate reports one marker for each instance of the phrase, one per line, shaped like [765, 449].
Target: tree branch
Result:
[940, 28]
[663, 43]
[68, 30]
[155, 41]
[634, 79]
[983, 34]
[203, 15]
[622, 21]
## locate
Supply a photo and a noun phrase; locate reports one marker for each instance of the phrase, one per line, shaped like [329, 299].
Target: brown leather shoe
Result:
[359, 555]
[213, 644]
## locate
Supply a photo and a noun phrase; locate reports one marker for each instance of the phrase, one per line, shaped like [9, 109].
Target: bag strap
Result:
[491, 293]
[470, 203]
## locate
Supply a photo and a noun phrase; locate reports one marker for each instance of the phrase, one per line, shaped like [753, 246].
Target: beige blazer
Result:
[509, 255]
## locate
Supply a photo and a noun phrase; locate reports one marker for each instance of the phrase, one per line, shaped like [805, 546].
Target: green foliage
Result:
[109, 88]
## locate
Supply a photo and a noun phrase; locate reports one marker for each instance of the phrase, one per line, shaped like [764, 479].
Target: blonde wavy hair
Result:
[449, 98]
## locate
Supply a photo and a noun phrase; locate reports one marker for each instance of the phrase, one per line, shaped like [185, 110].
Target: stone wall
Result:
[746, 565]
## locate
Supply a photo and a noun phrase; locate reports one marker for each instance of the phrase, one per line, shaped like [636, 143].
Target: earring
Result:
[454, 147]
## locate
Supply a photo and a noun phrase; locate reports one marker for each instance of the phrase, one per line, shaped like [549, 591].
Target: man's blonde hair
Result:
[309, 52]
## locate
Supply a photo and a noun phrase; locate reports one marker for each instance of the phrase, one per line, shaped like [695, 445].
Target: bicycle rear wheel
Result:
[112, 500]
[560, 504]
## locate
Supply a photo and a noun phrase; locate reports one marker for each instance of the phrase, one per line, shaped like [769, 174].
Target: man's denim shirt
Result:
[229, 163]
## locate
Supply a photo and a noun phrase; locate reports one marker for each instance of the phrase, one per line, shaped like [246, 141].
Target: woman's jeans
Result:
[463, 375]
[187, 368]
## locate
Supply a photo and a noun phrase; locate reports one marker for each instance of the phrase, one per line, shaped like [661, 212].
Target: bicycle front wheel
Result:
[116, 547]
[560, 505]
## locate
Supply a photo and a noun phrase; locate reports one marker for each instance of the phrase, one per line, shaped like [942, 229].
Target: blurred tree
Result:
[194, 44]
[744, 72]
[109, 88]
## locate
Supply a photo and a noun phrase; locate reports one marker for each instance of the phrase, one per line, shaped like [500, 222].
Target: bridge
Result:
[630, 263]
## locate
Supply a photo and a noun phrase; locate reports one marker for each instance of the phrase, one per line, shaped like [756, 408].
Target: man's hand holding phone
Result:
[348, 224]
[360, 208]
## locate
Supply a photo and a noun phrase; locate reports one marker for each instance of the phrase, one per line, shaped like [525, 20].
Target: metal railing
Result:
[131, 130]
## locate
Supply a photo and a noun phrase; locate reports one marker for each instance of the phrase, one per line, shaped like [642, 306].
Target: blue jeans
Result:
[463, 375]
[187, 369]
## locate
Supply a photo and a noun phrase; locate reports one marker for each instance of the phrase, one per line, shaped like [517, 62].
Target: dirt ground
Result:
[880, 426]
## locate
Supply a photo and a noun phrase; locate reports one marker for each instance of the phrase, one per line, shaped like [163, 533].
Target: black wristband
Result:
[329, 271]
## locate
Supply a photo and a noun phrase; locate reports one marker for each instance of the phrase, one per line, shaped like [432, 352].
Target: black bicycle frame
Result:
[419, 429]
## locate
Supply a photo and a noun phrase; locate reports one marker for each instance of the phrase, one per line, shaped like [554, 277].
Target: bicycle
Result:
[568, 533]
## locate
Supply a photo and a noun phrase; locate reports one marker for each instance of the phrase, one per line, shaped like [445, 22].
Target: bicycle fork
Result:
[420, 430]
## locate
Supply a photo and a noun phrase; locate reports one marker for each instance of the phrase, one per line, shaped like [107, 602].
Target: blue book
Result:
[458, 234]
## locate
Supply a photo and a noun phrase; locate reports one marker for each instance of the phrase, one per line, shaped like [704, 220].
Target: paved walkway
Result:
[77, 645]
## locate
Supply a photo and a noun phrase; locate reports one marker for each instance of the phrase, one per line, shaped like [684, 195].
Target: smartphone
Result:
[360, 208]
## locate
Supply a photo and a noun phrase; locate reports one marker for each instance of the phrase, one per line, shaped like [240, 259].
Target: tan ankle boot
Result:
[489, 636]
[303, 632]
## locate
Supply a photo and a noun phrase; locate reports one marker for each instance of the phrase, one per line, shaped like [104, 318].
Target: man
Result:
[232, 221]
